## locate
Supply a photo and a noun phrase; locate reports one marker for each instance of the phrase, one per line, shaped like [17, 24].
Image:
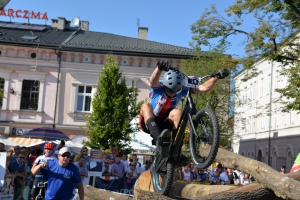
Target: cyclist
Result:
[48, 148]
[160, 112]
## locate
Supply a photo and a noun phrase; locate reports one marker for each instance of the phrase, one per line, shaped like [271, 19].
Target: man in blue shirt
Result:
[61, 174]
[17, 168]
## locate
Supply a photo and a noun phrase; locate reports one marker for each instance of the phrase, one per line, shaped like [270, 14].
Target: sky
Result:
[168, 21]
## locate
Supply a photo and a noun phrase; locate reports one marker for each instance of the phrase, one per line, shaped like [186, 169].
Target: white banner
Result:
[2, 167]
[6, 186]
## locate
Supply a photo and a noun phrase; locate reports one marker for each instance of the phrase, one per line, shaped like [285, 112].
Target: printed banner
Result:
[117, 185]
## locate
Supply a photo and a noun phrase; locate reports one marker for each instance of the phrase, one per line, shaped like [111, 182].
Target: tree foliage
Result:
[275, 37]
[113, 107]
[218, 99]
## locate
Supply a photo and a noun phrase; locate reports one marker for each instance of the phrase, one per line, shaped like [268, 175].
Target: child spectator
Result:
[283, 169]
[187, 174]
[246, 179]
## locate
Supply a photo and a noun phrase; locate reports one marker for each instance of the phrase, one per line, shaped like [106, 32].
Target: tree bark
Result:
[283, 186]
[92, 193]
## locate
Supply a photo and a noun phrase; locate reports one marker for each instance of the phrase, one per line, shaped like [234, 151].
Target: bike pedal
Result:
[165, 141]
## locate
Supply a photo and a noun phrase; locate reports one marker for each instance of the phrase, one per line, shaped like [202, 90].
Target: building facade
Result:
[50, 73]
[263, 131]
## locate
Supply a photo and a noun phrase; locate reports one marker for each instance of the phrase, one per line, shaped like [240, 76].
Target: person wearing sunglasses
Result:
[62, 175]
[159, 115]
[106, 168]
[17, 168]
[48, 148]
[84, 152]
[132, 174]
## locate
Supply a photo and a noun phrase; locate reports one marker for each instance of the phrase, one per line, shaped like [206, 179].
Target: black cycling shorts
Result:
[162, 124]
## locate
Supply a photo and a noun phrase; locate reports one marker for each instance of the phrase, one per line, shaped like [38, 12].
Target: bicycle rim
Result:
[207, 129]
[162, 181]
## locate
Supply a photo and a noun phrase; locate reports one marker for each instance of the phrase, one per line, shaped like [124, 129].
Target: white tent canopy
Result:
[141, 141]
[75, 144]
[7, 143]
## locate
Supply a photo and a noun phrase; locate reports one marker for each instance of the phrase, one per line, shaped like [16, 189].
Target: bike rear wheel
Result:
[162, 181]
[208, 132]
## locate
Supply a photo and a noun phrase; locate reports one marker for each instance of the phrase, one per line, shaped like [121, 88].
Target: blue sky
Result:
[168, 21]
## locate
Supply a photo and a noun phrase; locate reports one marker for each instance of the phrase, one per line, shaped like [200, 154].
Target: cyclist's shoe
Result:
[163, 143]
[183, 161]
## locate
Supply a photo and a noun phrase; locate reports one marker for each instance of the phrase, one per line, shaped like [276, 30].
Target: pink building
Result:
[34, 56]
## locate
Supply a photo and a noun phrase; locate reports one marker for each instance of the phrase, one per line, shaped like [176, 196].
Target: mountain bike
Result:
[204, 130]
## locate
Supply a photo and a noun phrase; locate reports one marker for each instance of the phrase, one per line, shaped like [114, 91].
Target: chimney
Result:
[84, 25]
[54, 23]
[61, 23]
[143, 31]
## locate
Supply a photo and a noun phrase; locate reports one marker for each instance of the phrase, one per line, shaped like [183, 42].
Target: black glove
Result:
[163, 66]
[223, 73]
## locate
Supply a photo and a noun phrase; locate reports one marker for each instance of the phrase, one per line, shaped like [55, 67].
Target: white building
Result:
[259, 121]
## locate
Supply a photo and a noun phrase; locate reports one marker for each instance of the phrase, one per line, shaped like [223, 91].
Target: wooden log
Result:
[91, 193]
[283, 186]
[248, 192]
[179, 189]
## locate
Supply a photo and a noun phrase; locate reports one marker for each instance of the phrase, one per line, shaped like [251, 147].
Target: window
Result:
[245, 94]
[261, 122]
[253, 125]
[262, 87]
[269, 84]
[254, 93]
[84, 98]
[30, 95]
[1, 91]
[276, 79]
[249, 125]
[251, 92]
[244, 123]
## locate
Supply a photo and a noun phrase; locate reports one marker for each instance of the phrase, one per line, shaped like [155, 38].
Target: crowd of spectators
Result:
[212, 176]
[21, 160]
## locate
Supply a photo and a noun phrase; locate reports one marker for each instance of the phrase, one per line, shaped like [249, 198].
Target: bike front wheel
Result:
[162, 179]
[207, 133]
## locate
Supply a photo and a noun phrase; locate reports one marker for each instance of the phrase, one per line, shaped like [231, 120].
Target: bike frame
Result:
[188, 111]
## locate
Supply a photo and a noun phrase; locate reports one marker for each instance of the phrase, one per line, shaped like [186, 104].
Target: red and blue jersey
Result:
[161, 103]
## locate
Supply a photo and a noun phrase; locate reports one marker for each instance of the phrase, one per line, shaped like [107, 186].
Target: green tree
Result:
[114, 106]
[218, 99]
[275, 38]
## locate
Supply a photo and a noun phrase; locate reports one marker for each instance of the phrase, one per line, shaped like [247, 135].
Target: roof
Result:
[75, 39]
[47, 37]
[84, 39]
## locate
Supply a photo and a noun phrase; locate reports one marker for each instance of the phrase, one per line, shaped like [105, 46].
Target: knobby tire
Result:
[167, 177]
[207, 118]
